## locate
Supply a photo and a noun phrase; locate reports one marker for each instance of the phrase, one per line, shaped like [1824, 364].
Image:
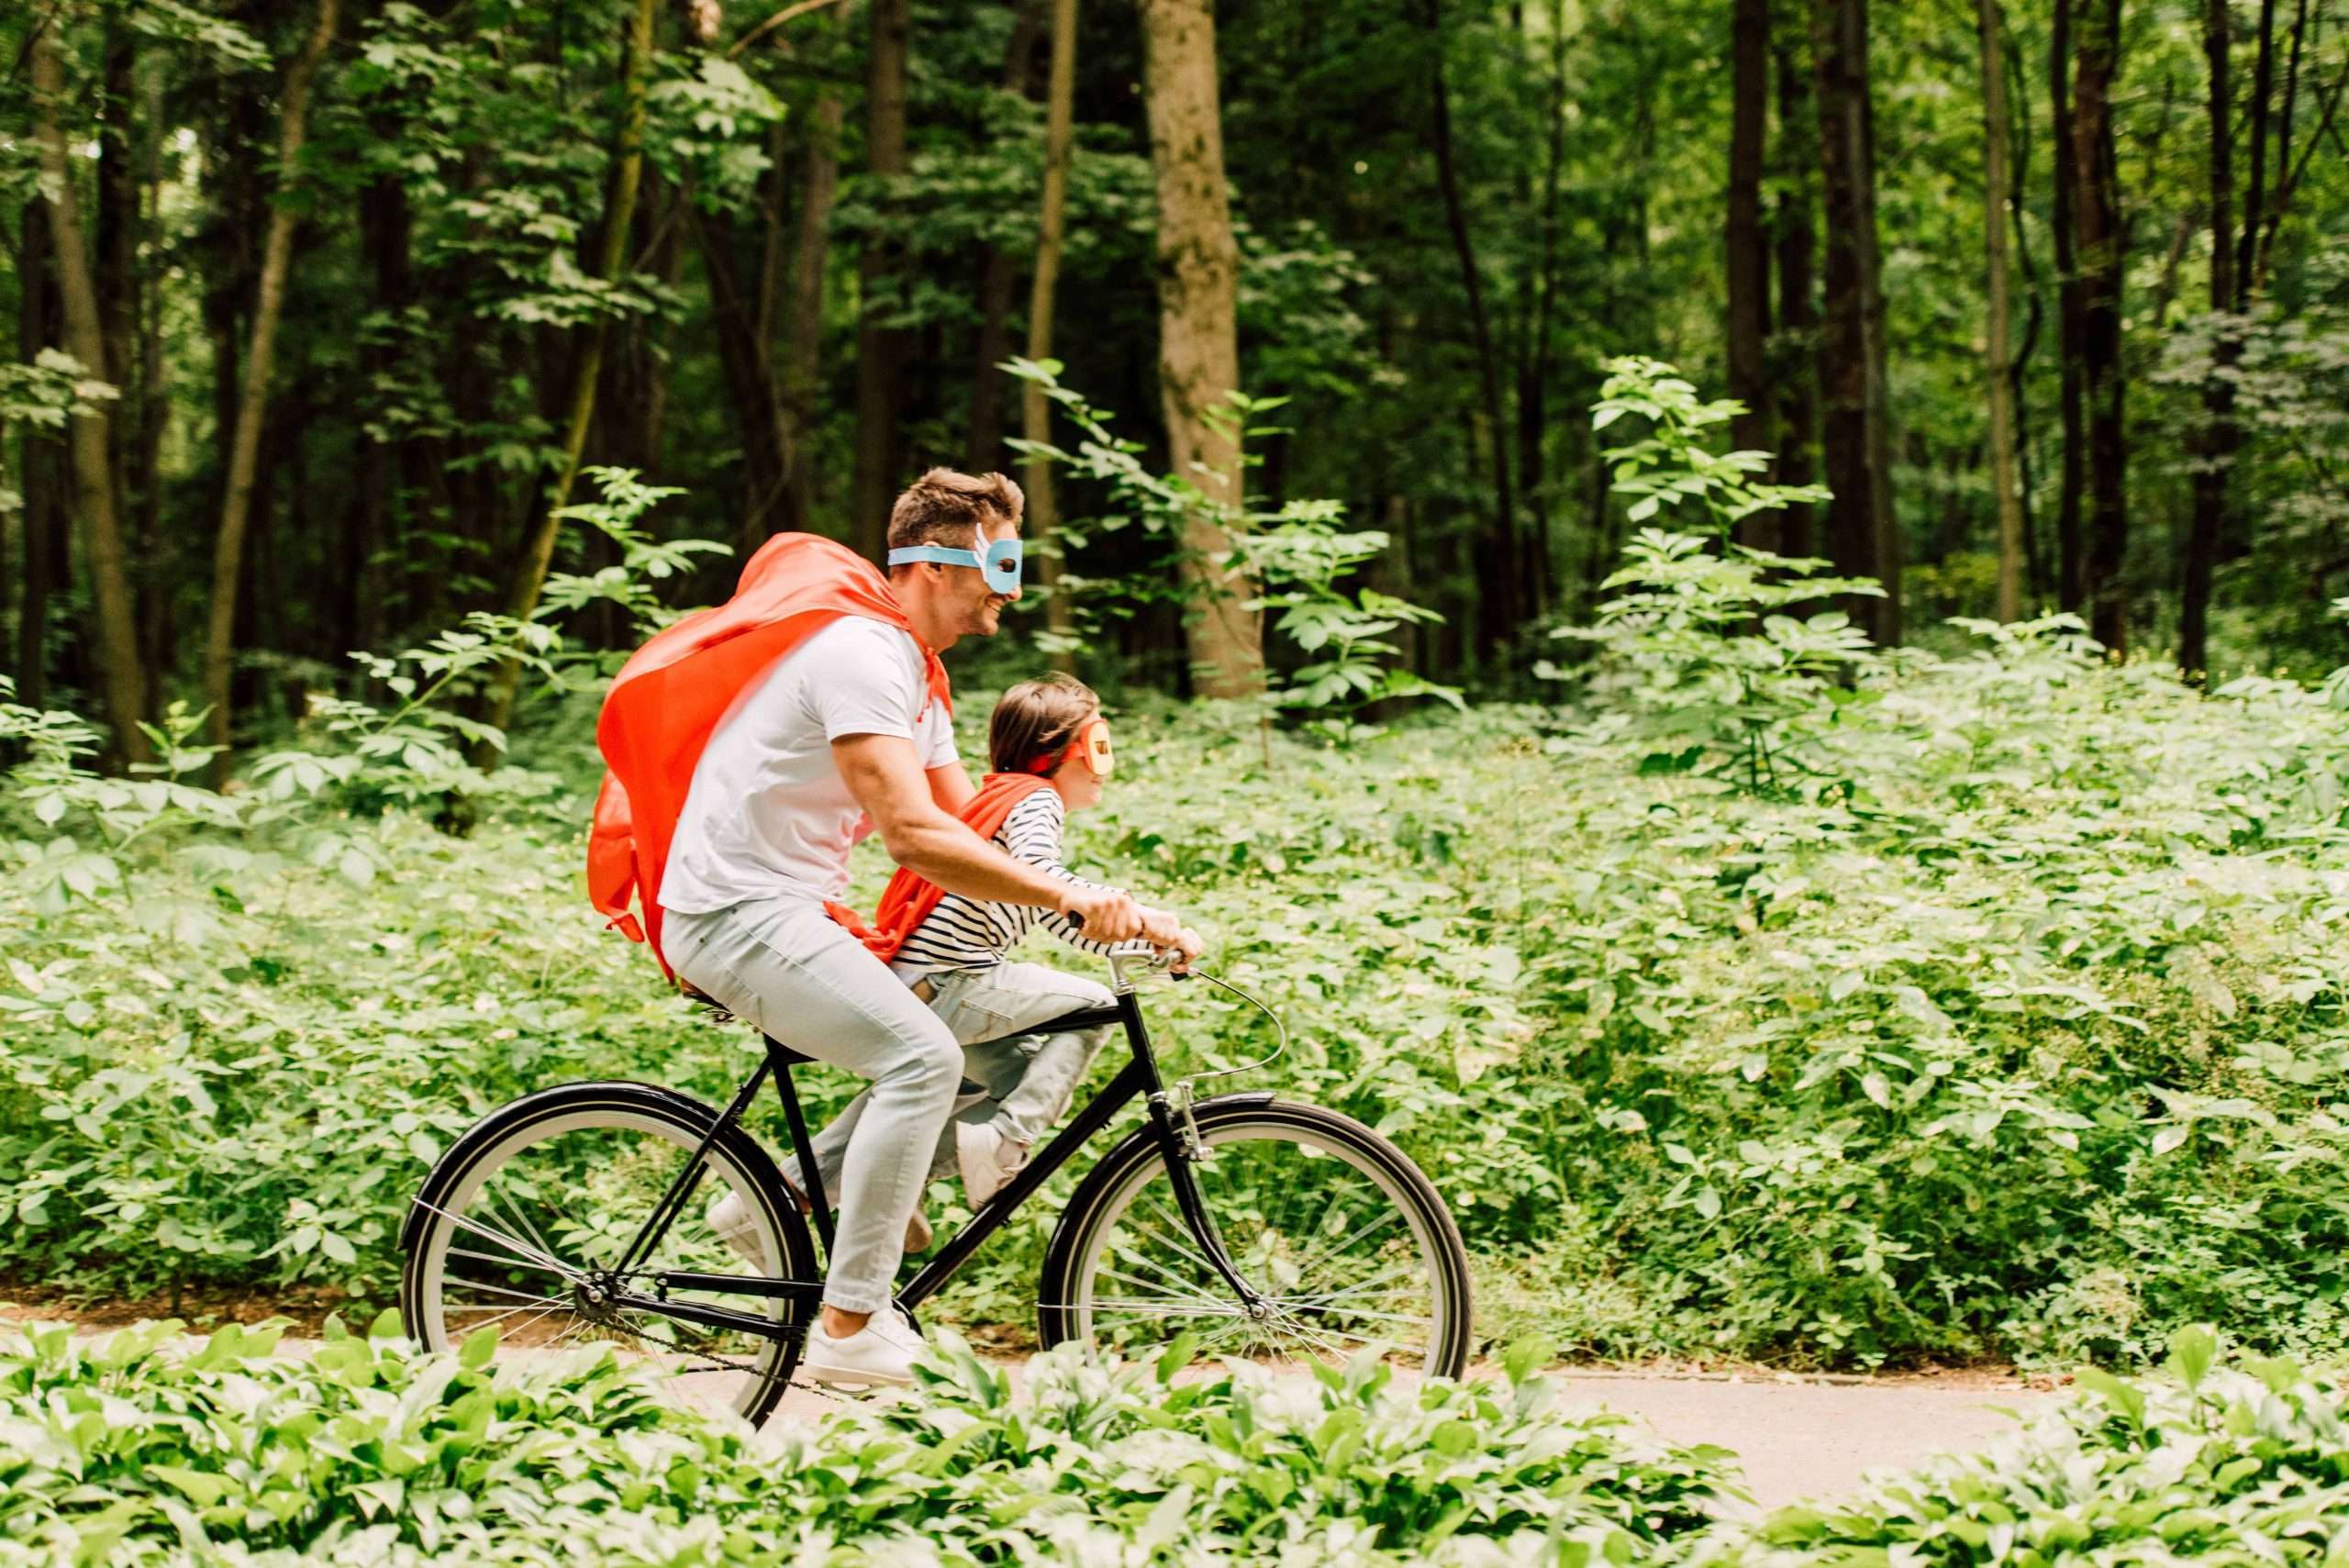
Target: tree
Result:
[2217, 436]
[1747, 258]
[1998, 359]
[1035, 409]
[620, 213]
[122, 679]
[1862, 538]
[1498, 565]
[2101, 249]
[252, 404]
[2070, 317]
[880, 348]
[1198, 351]
[1798, 310]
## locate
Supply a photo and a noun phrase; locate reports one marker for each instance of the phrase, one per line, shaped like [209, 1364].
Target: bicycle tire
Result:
[1135, 1166]
[438, 1213]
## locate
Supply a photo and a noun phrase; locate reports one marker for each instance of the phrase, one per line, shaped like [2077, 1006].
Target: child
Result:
[1049, 749]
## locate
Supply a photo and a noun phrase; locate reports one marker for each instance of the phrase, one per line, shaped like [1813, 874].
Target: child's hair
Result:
[1036, 720]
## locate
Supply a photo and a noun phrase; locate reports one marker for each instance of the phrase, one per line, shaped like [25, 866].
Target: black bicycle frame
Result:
[1138, 1077]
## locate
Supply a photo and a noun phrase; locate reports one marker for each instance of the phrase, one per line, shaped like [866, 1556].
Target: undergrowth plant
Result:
[1299, 558]
[139, 1450]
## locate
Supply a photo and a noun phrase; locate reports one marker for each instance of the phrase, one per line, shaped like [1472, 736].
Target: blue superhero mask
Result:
[998, 563]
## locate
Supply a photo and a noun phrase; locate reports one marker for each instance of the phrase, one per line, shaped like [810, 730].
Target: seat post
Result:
[781, 1057]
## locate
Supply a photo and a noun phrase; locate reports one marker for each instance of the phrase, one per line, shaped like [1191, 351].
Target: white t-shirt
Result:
[768, 814]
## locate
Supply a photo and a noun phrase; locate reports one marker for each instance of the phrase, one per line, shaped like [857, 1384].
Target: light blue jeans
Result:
[784, 967]
[787, 969]
[1022, 1083]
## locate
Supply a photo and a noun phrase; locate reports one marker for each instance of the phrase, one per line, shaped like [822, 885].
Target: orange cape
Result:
[672, 693]
[909, 899]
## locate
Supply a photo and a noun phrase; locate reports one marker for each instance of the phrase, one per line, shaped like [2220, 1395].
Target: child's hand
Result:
[1188, 947]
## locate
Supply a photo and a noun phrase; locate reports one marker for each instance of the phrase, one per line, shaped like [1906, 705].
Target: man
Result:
[845, 734]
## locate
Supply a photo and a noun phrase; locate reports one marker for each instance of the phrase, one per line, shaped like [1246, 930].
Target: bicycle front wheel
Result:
[525, 1226]
[1343, 1238]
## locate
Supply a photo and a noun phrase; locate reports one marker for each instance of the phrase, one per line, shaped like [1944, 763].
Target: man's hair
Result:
[943, 503]
[1036, 720]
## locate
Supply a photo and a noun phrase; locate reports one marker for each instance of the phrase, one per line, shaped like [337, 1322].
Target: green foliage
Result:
[139, 1450]
[1299, 555]
[1708, 669]
[1701, 651]
[2025, 1047]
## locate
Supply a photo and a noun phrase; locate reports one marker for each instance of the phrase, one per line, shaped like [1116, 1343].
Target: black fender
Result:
[755, 1160]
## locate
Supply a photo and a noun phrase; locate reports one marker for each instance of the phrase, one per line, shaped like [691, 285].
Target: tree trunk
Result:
[619, 215]
[122, 679]
[2018, 168]
[1536, 572]
[2103, 374]
[1748, 256]
[157, 583]
[1798, 311]
[1035, 408]
[1198, 356]
[2217, 436]
[804, 316]
[244, 449]
[743, 358]
[1862, 538]
[2071, 328]
[1999, 361]
[880, 349]
[998, 281]
[39, 482]
[2254, 191]
[1497, 563]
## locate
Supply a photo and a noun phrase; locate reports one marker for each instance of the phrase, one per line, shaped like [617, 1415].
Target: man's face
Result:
[978, 609]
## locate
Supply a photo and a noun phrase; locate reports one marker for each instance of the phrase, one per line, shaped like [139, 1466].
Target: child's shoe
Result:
[988, 1158]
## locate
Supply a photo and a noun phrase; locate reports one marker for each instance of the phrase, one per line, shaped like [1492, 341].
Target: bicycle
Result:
[530, 1223]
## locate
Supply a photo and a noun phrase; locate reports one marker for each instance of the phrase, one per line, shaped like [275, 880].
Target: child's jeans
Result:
[1022, 1084]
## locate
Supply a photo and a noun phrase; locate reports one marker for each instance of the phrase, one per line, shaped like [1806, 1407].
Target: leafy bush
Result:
[137, 1451]
[2227, 1464]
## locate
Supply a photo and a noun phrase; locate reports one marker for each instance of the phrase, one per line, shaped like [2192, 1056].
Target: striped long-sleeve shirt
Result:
[976, 933]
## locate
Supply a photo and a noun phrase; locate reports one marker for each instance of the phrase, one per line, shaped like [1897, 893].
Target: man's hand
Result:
[1105, 914]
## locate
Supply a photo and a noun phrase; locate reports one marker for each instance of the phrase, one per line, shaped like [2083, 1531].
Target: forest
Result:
[323, 310]
[1734, 609]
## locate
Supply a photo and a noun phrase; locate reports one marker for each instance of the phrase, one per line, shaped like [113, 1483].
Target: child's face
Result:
[1078, 785]
[1077, 780]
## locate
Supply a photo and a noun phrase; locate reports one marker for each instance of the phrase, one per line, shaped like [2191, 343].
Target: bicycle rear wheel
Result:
[1345, 1238]
[522, 1224]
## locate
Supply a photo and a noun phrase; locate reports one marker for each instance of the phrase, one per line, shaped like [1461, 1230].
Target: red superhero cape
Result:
[909, 899]
[669, 697]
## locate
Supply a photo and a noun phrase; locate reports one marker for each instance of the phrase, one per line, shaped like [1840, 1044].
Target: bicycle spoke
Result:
[521, 1222]
[1192, 1292]
[507, 1262]
[487, 1234]
[499, 1290]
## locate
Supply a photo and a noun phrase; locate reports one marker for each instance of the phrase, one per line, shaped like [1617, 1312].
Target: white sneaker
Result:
[988, 1158]
[879, 1354]
[738, 1227]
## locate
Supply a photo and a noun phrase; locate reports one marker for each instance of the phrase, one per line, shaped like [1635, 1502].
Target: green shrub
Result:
[139, 1451]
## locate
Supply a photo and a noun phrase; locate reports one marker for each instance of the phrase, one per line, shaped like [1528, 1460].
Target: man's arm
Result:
[886, 778]
[950, 787]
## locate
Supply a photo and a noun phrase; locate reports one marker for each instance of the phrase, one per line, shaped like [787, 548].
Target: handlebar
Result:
[1161, 960]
